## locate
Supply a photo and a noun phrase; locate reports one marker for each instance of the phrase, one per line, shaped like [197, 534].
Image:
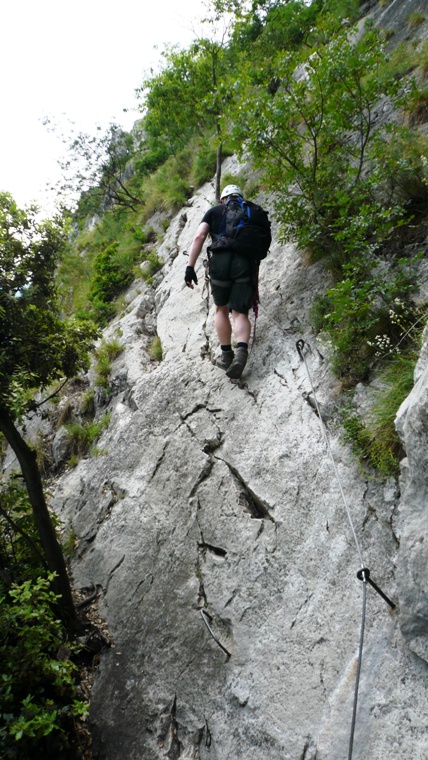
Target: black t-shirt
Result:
[213, 217]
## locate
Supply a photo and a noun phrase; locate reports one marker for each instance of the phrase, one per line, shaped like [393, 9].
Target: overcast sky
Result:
[79, 61]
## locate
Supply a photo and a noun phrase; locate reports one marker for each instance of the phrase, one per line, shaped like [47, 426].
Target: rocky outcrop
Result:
[412, 425]
[214, 527]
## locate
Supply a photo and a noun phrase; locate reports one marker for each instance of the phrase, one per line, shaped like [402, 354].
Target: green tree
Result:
[36, 348]
[170, 100]
[319, 147]
[97, 170]
[188, 96]
[219, 93]
[338, 173]
[269, 27]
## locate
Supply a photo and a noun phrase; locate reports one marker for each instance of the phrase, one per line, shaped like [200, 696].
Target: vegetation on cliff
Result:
[38, 697]
[329, 115]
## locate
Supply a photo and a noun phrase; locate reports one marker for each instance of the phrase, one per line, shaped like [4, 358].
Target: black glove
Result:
[190, 276]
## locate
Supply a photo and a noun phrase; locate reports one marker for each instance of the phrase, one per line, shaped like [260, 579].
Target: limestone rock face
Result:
[214, 517]
[61, 446]
[412, 425]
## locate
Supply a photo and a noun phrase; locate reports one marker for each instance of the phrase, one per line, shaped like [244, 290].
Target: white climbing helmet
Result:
[231, 190]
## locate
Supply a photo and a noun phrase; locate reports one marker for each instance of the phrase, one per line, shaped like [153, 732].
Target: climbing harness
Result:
[363, 573]
[228, 283]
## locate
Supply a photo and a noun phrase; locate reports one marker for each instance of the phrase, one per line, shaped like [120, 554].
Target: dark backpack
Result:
[244, 229]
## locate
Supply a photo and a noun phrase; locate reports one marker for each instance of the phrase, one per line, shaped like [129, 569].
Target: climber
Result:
[240, 233]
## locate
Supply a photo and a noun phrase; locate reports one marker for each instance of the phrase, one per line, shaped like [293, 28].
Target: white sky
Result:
[81, 62]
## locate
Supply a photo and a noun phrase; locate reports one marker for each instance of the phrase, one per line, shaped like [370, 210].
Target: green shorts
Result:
[232, 281]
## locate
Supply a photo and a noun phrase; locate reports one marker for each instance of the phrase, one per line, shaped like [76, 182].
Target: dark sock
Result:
[243, 345]
[226, 348]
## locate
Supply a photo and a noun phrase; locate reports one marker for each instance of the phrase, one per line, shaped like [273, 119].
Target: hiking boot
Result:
[225, 359]
[237, 366]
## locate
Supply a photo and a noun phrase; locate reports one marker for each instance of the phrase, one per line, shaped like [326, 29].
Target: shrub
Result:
[105, 355]
[417, 107]
[319, 148]
[368, 450]
[400, 61]
[415, 20]
[110, 277]
[101, 264]
[100, 311]
[20, 549]
[231, 179]
[87, 403]
[365, 314]
[375, 440]
[169, 187]
[422, 58]
[155, 349]
[113, 348]
[39, 702]
[155, 262]
[74, 275]
[204, 164]
[38, 693]
[84, 434]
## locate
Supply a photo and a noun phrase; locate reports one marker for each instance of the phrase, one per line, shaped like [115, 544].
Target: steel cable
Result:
[358, 674]
[299, 345]
[364, 573]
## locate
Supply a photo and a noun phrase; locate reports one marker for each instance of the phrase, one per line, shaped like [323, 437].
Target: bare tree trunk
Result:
[51, 547]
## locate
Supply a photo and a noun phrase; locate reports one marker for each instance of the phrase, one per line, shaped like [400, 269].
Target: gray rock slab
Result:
[412, 425]
[221, 496]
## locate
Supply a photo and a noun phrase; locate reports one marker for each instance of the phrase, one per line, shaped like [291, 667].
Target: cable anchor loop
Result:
[364, 575]
[300, 345]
